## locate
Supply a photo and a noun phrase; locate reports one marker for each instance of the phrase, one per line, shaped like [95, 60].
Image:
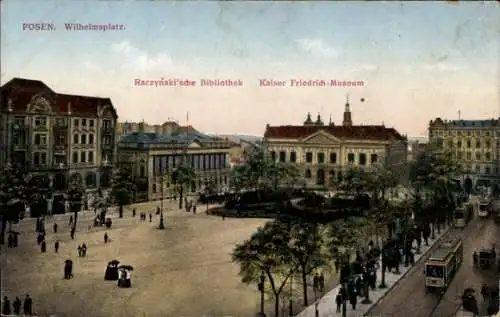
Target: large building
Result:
[324, 152]
[474, 143]
[65, 137]
[124, 128]
[153, 156]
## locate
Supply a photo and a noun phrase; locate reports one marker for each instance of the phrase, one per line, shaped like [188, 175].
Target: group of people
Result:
[12, 240]
[82, 250]
[16, 306]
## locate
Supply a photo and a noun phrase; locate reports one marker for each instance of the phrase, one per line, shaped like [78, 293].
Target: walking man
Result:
[56, 246]
[27, 307]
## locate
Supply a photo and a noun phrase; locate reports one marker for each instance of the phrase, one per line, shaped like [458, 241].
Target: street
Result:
[184, 270]
[409, 298]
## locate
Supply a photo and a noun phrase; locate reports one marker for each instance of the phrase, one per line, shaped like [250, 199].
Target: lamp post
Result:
[261, 289]
[290, 300]
[161, 226]
[342, 251]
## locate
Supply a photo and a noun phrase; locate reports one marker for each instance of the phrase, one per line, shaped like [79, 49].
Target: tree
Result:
[38, 190]
[266, 252]
[182, 176]
[122, 187]
[238, 180]
[75, 197]
[13, 181]
[306, 249]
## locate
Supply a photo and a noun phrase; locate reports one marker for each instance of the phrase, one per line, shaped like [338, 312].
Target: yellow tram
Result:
[443, 264]
[463, 215]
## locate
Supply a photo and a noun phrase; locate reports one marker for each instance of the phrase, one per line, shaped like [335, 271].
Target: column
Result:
[205, 161]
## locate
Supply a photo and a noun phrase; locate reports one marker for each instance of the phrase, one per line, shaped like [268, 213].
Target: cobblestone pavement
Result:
[185, 270]
[409, 298]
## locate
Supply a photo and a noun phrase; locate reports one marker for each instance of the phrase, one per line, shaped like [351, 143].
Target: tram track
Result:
[409, 297]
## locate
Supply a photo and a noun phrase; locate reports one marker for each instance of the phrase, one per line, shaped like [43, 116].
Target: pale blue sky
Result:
[418, 60]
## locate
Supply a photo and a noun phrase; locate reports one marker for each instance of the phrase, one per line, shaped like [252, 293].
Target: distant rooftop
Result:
[467, 123]
[157, 138]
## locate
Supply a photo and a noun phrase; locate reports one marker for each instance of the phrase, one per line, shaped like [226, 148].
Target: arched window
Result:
[308, 173]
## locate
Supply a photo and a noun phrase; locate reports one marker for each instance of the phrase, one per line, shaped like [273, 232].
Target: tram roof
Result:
[444, 250]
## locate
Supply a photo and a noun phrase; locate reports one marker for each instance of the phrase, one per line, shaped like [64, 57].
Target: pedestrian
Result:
[194, 209]
[338, 300]
[28, 306]
[84, 250]
[133, 212]
[10, 241]
[6, 306]
[17, 306]
[150, 217]
[79, 250]
[353, 298]
[485, 292]
[70, 220]
[106, 238]
[321, 282]
[223, 216]
[55, 227]
[56, 246]
[72, 233]
[43, 246]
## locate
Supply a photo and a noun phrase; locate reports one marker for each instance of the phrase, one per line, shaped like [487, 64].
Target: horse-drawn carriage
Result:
[486, 259]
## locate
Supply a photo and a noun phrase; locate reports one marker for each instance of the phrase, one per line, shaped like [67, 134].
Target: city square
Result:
[237, 159]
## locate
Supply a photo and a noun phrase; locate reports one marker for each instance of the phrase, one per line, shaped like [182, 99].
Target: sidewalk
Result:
[327, 305]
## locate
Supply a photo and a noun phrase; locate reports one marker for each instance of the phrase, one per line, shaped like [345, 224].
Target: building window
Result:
[460, 155]
[91, 157]
[107, 140]
[83, 139]
[106, 124]
[373, 158]
[362, 159]
[91, 139]
[40, 122]
[75, 138]
[488, 156]
[478, 169]
[488, 143]
[308, 173]
[282, 156]
[154, 188]
[469, 156]
[84, 122]
[142, 172]
[478, 156]
[309, 157]
[293, 157]
[350, 158]
[91, 123]
[82, 157]
[40, 139]
[459, 143]
[75, 157]
[469, 144]
[321, 158]
[487, 170]
[273, 156]
[76, 122]
[39, 158]
[60, 139]
[333, 158]
[478, 144]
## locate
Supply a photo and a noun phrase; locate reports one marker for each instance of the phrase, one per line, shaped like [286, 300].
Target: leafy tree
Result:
[182, 177]
[75, 197]
[266, 252]
[122, 187]
[238, 180]
[306, 249]
[13, 181]
[37, 192]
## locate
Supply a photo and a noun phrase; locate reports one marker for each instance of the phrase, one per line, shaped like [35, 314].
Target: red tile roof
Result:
[352, 132]
[20, 91]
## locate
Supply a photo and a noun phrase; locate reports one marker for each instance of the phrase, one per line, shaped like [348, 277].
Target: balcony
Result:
[107, 130]
[60, 126]
[108, 146]
[60, 166]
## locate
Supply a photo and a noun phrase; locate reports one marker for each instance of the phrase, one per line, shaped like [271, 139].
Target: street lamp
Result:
[342, 251]
[261, 289]
[290, 300]
[161, 226]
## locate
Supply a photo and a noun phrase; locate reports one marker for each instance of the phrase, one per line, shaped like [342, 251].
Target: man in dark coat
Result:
[6, 306]
[17, 306]
[28, 305]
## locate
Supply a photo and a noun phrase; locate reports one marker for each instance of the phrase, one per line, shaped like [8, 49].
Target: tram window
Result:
[434, 271]
[459, 214]
[483, 207]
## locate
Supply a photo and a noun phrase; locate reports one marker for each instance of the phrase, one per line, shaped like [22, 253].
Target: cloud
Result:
[441, 67]
[140, 60]
[317, 47]
[365, 68]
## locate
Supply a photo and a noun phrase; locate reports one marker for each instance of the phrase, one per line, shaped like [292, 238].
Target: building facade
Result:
[323, 153]
[124, 128]
[65, 137]
[152, 157]
[474, 143]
